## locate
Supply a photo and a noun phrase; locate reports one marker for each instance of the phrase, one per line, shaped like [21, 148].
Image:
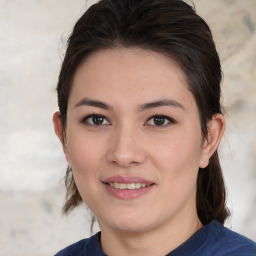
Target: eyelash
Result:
[159, 116]
[94, 115]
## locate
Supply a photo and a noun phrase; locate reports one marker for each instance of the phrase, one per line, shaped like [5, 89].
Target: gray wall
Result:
[32, 36]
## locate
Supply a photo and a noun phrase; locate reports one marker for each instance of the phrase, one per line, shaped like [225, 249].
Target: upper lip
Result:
[127, 180]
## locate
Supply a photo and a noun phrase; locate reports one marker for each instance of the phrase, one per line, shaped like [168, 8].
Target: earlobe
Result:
[215, 127]
[59, 132]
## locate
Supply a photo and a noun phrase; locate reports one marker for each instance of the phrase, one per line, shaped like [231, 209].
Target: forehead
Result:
[128, 59]
[131, 75]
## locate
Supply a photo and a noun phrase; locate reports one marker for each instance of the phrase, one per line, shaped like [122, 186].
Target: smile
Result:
[127, 187]
[130, 186]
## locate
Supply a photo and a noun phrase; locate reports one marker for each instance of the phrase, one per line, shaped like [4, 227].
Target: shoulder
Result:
[75, 249]
[89, 246]
[228, 242]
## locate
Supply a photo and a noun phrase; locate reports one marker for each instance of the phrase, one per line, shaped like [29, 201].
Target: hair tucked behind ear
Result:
[169, 27]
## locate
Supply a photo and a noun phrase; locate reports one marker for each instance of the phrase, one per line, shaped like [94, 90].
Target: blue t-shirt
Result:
[211, 240]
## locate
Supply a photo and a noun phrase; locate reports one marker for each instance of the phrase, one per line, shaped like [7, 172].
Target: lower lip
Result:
[127, 194]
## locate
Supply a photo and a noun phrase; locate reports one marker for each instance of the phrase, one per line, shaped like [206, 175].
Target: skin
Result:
[129, 142]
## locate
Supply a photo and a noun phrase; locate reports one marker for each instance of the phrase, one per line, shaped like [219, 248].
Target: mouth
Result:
[130, 186]
[127, 187]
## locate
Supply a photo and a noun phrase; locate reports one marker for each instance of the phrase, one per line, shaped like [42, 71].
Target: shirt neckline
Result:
[187, 248]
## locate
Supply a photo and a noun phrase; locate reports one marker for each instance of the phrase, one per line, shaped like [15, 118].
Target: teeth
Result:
[138, 185]
[127, 186]
[131, 186]
[121, 186]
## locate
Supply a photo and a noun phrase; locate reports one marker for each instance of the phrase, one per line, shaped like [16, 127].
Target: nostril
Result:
[125, 149]
[125, 158]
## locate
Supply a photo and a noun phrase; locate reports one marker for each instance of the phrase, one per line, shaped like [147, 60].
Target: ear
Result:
[215, 127]
[60, 133]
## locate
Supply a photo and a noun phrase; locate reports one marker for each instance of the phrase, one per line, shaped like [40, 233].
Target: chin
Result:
[128, 225]
[131, 228]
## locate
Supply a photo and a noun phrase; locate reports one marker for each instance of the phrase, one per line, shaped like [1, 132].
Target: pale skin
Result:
[146, 125]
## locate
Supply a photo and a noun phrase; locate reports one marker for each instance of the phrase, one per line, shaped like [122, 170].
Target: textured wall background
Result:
[32, 42]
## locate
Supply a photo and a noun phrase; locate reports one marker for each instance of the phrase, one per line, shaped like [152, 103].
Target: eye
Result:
[160, 120]
[95, 120]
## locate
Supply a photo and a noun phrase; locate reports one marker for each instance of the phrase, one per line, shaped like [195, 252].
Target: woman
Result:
[140, 122]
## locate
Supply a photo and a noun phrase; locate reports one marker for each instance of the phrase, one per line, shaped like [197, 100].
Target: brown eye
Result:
[160, 120]
[96, 120]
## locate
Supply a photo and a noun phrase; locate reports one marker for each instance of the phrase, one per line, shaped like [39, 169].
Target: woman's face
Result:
[134, 139]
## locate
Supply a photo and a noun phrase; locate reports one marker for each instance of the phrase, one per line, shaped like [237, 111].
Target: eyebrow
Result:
[93, 103]
[160, 103]
[149, 105]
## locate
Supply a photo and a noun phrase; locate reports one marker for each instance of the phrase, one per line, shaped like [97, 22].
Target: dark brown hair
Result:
[169, 27]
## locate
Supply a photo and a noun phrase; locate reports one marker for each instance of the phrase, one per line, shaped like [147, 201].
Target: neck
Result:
[157, 242]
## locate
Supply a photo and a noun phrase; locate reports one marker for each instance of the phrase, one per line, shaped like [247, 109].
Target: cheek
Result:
[179, 148]
[85, 153]
[86, 160]
[178, 157]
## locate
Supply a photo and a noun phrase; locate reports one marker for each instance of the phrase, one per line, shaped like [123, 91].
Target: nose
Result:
[126, 147]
